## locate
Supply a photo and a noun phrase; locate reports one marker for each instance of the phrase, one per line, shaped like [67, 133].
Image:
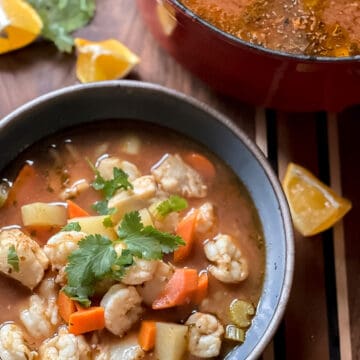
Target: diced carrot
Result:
[201, 164]
[202, 288]
[26, 173]
[79, 307]
[66, 306]
[91, 319]
[186, 229]
[75, 211]
[147, 335]
[179, 290]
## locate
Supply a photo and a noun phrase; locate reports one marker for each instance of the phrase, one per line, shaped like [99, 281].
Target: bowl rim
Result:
[267, 51]
[250, 144]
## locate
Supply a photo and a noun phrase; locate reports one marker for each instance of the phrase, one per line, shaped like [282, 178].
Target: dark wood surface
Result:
[322, 320]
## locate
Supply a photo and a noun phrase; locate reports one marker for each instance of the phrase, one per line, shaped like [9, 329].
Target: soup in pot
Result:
[129, 241]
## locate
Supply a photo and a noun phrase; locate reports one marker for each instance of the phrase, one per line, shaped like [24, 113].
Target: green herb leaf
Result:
[146, 242]
[107, 222]
[101, 207]
[173, 203]
[61, 17]
[13, 259]
[72, 226]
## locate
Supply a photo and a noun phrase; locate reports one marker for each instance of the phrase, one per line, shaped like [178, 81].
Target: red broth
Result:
[62, 159]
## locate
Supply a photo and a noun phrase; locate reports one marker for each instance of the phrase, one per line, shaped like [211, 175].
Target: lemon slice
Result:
[314, 206]
[103, 60]
[19, 25]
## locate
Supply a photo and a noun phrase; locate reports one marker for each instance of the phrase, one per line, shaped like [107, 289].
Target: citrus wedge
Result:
[103, 60]
[19, 25]
[314, 206]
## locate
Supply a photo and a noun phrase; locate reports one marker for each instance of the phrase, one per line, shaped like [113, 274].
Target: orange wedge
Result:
[103, 60]
[19, 25]
[314, 206]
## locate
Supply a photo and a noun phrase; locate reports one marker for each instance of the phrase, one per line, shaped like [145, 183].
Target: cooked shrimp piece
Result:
[231, 266]
[141, 271]
[205, 333]
[75, 189]
[41, 317]
[150, 290]
[205, 219]
[32, 260]
[122, 306]
[65, 346]
[106, 167]
[12, 344]
[177, 177]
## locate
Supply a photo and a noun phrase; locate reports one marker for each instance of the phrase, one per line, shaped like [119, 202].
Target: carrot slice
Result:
[66, 306]
[26, 173]
[147, 335]
[201, 164]
[202, 288]
[75, 211]
[179, 290]
[186, 230]
[91, 319]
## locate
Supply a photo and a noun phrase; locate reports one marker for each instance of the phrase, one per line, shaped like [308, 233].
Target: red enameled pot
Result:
[251, 73]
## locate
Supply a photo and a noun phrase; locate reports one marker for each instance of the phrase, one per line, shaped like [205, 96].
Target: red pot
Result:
[248, 72]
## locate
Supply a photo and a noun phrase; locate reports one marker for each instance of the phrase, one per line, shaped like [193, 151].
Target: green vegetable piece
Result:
[61, 17]
[241, 313]
[234, 333]
[13, 259]
[173, 203]
[101, 207]
[108, 222]
[72, 226]
[146, 242]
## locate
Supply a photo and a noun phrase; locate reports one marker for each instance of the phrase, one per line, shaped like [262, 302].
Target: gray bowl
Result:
[137, 100]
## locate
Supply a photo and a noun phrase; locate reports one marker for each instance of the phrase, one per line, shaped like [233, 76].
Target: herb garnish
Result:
[72, 226]
[96, 258]
[173, 203]
[101, 207]
[13, 259]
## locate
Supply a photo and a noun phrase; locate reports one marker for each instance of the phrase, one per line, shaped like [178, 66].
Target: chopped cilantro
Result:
[108, 222]
[61, 17]
[173, 203]
[146, 242]
[101, 207]
[72, 226]
[13, 259]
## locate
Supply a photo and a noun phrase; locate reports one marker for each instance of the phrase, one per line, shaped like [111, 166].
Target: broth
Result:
[310, 27]
[62, 160]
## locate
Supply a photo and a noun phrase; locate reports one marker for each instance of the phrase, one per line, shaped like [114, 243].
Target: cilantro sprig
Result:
[72, 226]
[13, 259]
[173, 203]
[96, 258]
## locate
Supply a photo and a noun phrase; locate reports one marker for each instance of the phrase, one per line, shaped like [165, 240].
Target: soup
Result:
[127, 241]
[310, 27]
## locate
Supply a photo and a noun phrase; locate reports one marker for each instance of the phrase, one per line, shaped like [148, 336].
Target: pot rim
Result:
[252, 147]
[261, 49]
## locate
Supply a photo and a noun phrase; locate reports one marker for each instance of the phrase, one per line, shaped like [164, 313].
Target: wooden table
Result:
[322, 320]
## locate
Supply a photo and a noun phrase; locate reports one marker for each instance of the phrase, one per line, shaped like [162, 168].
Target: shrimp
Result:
[175, 176]
[140, 271]
[205, 219]
[32, 260]
[231, 266]
[122, 306]
[205, 333]
[65, 346]
[12, 344]
[41, 317]
[106, 167]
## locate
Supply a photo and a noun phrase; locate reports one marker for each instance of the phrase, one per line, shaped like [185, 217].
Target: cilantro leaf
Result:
[107, 222]
[173, 203]
[13, 259]
[146, 242]
[101, 207]
[72, 226]
[61, 17]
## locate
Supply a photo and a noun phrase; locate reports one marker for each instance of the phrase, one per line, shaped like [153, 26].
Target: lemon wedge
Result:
[314, 206]
[20, 25]
[103, 60]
